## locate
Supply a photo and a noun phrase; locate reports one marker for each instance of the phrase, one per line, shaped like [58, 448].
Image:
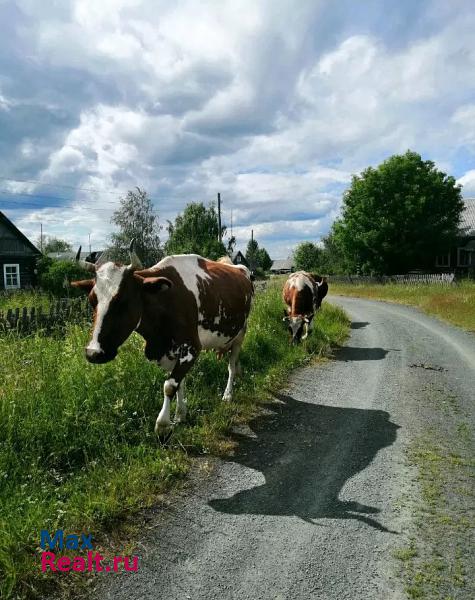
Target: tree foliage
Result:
[398, 216]
[195, 231]
[263, 259]
[52, 244]
[252, 251]
[55, 276]
[258, 258]
[307, 257]
[136, 219]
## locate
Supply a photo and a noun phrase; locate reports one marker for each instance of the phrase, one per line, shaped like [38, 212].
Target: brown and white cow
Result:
[180, 306]
[303, 294]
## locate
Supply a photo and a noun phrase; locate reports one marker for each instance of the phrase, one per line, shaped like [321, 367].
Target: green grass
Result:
[454, 304]
[77, 448]
[438, 562]
[24, 298]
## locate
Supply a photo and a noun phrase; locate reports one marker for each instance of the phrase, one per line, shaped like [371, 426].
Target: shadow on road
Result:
[347, 353]
[359, 324]
[306, 453]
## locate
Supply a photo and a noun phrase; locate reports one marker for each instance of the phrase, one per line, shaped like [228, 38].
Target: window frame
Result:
[17, 267]
[439, 263]
[467, 253]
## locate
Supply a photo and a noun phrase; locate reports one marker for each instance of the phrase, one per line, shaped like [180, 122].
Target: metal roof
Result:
[467, 223]
[284, 264]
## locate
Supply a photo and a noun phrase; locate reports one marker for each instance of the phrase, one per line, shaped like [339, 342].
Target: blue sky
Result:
[272, 103]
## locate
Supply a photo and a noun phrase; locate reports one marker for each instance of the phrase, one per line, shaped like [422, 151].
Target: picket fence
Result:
[28, 320]
[409, 279]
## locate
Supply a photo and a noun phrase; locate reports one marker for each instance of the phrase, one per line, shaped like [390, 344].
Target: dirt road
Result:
[312, 504]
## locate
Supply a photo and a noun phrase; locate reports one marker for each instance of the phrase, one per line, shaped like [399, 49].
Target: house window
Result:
[11, 276]
[443, 260]
[463, 257]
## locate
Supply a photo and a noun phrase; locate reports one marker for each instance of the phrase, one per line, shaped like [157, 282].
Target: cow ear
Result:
[85, 284]
[154, 284]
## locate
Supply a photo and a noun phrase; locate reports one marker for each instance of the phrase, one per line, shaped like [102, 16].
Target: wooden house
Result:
[238, 258]
[282, 266]
[18, 257]
[461, 257]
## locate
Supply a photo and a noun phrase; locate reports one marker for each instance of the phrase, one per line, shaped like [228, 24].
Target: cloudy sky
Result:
[273, 103]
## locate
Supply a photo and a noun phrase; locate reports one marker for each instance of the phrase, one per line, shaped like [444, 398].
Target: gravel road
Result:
[309, 507]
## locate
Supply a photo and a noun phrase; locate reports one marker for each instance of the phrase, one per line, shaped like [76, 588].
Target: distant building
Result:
[281, 266]
[238, 258]
[461, 257]
[18, 257]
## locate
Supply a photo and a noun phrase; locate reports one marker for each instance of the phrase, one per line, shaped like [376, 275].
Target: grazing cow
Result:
[303, 294]
[180, 306]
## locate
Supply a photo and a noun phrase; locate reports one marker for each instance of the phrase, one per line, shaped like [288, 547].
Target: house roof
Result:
[6, 221]
[283, 264]
[467, 223]
[236, 253]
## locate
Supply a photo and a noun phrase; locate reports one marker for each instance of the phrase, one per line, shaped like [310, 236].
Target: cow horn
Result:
[83, 263]
[134, 259]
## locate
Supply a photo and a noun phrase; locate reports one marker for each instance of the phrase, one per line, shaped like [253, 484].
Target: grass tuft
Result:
[454, 304]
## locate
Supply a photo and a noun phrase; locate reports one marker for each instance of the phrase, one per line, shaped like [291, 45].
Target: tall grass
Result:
[454, 304]
[77, 448]
[24, 298]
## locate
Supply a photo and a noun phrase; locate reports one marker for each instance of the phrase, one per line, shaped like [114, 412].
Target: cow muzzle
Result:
[96, 356]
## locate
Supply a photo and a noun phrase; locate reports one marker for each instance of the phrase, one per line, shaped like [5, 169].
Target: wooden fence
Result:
[410, 279]
[28, 320]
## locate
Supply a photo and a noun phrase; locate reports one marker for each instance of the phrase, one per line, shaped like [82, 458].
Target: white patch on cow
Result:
[189, 355]
[299, 280]
[188, 358]
[210, 340]
[108, 279]
[189, 270]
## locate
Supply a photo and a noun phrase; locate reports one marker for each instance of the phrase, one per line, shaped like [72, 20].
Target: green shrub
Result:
[56, 276]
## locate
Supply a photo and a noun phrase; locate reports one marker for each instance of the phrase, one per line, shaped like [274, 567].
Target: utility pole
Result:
[41, 238]
[219, 218]
[90, 244]
[231, 222]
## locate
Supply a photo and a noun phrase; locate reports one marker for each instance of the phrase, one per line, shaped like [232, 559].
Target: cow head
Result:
[298, 326]
[116, 295]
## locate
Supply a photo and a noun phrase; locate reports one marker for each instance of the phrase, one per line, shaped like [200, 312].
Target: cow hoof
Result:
[227, 397]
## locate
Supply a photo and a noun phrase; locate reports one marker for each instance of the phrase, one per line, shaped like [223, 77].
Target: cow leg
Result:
[233, 366]
[180, 413]
[170, 389]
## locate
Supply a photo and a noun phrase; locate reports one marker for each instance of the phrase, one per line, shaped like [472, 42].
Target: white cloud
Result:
[468, 183]
[272, 104]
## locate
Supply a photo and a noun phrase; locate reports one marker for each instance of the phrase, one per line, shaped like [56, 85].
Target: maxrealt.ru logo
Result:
[91, 561]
